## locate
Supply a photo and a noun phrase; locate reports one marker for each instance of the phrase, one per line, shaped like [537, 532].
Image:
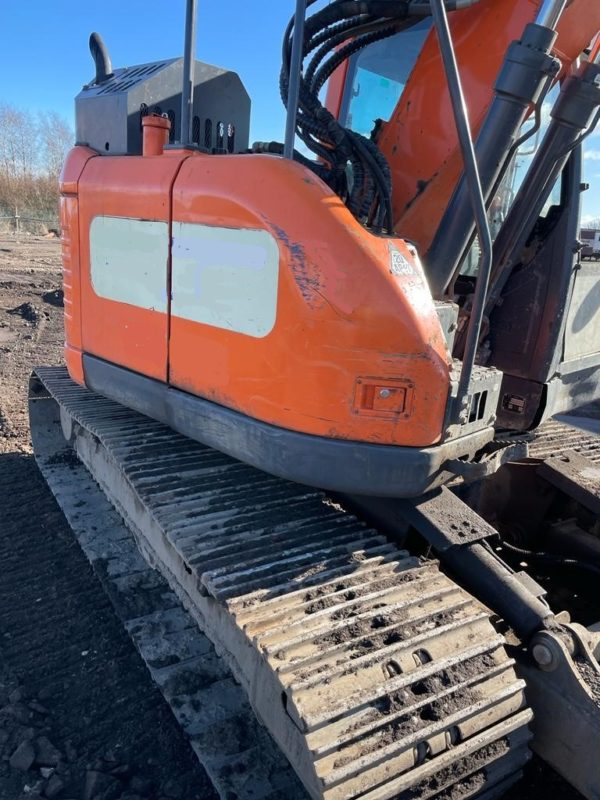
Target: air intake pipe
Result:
[526, 74]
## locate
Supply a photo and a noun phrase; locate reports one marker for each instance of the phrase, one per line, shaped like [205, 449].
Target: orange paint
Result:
[420, 139]
[335, 89]
[341, 313]
[133, 187]
[573, 37]
[69, 222]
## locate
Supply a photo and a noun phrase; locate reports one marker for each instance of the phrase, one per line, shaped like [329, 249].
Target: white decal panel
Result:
[128, 261]
[225, 277]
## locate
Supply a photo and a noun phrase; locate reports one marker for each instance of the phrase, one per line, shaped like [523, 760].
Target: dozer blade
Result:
[565, 693]
[376, 674]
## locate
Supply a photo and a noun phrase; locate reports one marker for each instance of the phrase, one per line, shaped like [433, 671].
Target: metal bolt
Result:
[384, 393]
[542, 655]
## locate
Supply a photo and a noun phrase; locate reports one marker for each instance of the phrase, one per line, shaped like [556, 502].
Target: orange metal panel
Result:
[130, 187]
[342, 313]
[69, 222]
[578, 26]
[335, 89]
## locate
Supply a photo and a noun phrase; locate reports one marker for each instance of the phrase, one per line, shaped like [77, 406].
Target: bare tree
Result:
[32, 151]
[56, 138]
[591, 224]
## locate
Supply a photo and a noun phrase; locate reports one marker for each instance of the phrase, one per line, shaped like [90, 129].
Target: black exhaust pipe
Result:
[99, 52]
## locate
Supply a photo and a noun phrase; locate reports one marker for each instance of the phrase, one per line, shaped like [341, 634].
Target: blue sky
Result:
[44, 57]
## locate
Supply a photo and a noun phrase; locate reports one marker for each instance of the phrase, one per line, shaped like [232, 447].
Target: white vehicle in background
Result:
[590, 239]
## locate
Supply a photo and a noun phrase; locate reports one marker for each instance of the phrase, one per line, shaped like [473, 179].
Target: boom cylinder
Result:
[526, 71]
[572, 114]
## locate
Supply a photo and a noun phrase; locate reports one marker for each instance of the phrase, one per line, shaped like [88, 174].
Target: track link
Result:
[377, 675]
[557, 436]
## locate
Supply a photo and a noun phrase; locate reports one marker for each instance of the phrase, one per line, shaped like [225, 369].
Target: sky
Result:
[44, 56]
[45, 60]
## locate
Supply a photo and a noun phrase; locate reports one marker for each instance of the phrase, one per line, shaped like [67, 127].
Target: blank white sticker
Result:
[225, 277]
[129, 261]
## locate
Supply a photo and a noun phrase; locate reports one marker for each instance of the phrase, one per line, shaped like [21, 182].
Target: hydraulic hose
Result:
[336, 32]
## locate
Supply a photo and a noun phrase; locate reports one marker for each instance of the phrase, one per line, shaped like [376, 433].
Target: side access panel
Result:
[124, 219]
[285, 309]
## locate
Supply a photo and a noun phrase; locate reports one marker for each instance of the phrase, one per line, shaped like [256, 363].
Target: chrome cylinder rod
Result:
[550, 12]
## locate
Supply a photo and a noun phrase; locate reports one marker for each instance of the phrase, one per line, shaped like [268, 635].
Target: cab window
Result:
[377, 76]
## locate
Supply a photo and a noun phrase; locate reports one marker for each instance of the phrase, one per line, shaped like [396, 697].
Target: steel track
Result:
[377, 676]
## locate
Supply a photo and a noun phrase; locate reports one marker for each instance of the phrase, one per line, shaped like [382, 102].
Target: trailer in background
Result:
[590, 239]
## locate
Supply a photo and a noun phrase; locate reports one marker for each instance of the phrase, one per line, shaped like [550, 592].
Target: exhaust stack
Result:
[99, 52]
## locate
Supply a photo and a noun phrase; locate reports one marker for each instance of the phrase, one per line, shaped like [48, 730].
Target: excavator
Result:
[319, 380]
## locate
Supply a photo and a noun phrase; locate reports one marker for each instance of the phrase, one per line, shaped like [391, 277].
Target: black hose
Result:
[551, 558]
[349, 25]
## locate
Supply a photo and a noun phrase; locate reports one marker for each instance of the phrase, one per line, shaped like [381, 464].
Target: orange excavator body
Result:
[345, 323]
[295, 314]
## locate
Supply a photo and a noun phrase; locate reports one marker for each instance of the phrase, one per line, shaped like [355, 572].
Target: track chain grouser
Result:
[555, 437]
[377, 675]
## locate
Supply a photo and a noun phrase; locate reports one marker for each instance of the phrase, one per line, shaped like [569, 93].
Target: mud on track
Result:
[114, 734]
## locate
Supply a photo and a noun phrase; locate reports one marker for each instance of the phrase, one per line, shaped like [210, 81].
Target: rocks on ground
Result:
[37, 769]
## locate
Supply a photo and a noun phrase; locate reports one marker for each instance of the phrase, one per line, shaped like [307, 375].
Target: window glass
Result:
[379, 73]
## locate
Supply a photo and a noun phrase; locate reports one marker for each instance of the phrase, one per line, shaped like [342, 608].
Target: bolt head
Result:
[542, 655]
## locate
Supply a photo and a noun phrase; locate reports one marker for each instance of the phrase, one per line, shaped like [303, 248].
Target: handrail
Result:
[461, 119]
[187, 89]
[294, 79]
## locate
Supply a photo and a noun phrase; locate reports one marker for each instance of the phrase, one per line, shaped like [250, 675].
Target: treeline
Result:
[32, 151]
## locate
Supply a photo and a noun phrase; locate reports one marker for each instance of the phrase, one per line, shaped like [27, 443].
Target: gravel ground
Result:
[79, 715]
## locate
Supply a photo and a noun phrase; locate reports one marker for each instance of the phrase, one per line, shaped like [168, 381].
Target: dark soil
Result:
[80, 716]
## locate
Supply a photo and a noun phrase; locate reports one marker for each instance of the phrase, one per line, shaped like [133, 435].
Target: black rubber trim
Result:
[334, 464]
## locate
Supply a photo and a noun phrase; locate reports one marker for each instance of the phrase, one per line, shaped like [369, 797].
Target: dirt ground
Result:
[79, 716]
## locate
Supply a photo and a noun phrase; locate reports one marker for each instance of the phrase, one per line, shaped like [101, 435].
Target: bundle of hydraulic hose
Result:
[331, 36]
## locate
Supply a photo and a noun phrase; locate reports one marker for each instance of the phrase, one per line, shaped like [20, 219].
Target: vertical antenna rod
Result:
[294, 82]
[187, 90]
